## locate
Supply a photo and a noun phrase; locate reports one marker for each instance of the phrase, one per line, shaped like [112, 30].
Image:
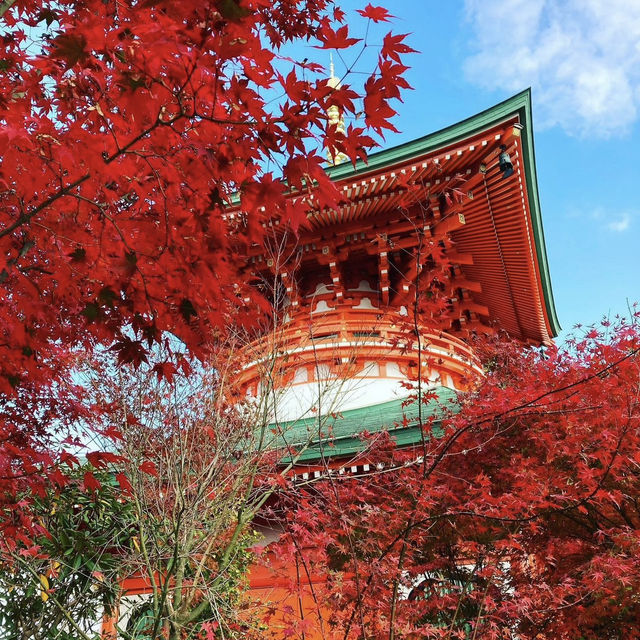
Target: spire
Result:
[334, 114]
[333, 82]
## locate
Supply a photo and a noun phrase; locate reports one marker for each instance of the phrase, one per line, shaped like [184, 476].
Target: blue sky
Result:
[582, 60]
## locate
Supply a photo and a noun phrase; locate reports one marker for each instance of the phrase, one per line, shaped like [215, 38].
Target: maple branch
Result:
[26, 217]
[300, 555]
[598, 374]
[224, 121]
[554, 511]
[456, 436]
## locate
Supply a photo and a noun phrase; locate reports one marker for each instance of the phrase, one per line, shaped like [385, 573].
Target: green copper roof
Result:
[519, 105]
[337, 434]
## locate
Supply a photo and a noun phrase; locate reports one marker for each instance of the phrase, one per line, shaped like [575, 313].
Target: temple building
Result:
[462, 202]
[465, 197]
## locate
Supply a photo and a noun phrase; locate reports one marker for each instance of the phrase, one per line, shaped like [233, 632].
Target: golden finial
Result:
[334, 114]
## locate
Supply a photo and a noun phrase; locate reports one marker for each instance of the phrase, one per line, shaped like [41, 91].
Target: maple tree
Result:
[518, 517]
[194, 472]
[136, 143]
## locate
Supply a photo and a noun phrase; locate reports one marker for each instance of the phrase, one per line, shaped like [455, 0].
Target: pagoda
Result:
[346, 287]
[348, 347]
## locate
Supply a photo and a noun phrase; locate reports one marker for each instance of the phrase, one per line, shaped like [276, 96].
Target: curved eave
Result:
[518, 106]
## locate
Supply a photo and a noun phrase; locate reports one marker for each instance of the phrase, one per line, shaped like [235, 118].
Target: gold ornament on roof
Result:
[336, 117]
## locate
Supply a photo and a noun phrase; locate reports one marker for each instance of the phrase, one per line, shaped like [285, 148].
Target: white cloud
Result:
[604, 219]
[620, 224]
[582, 58]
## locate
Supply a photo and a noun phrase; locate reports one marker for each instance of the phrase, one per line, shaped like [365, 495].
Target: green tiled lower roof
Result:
[337, 434]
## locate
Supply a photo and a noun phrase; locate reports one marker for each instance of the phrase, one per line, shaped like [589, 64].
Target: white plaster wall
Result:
[309, 399]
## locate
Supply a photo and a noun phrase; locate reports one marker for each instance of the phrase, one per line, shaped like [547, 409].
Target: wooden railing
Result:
[346, 333]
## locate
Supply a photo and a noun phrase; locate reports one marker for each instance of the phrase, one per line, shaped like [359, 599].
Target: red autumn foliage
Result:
[516, 517]
[128, 130]
[377, 14]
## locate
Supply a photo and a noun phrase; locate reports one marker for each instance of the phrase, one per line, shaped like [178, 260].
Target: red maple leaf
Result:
[336, 39]
[149, 468]
[393, 46]
[165, 370]
[129, 350]
[70, 47]
[377, 14]
[124, 483]
[100, 459]
[90, 482]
